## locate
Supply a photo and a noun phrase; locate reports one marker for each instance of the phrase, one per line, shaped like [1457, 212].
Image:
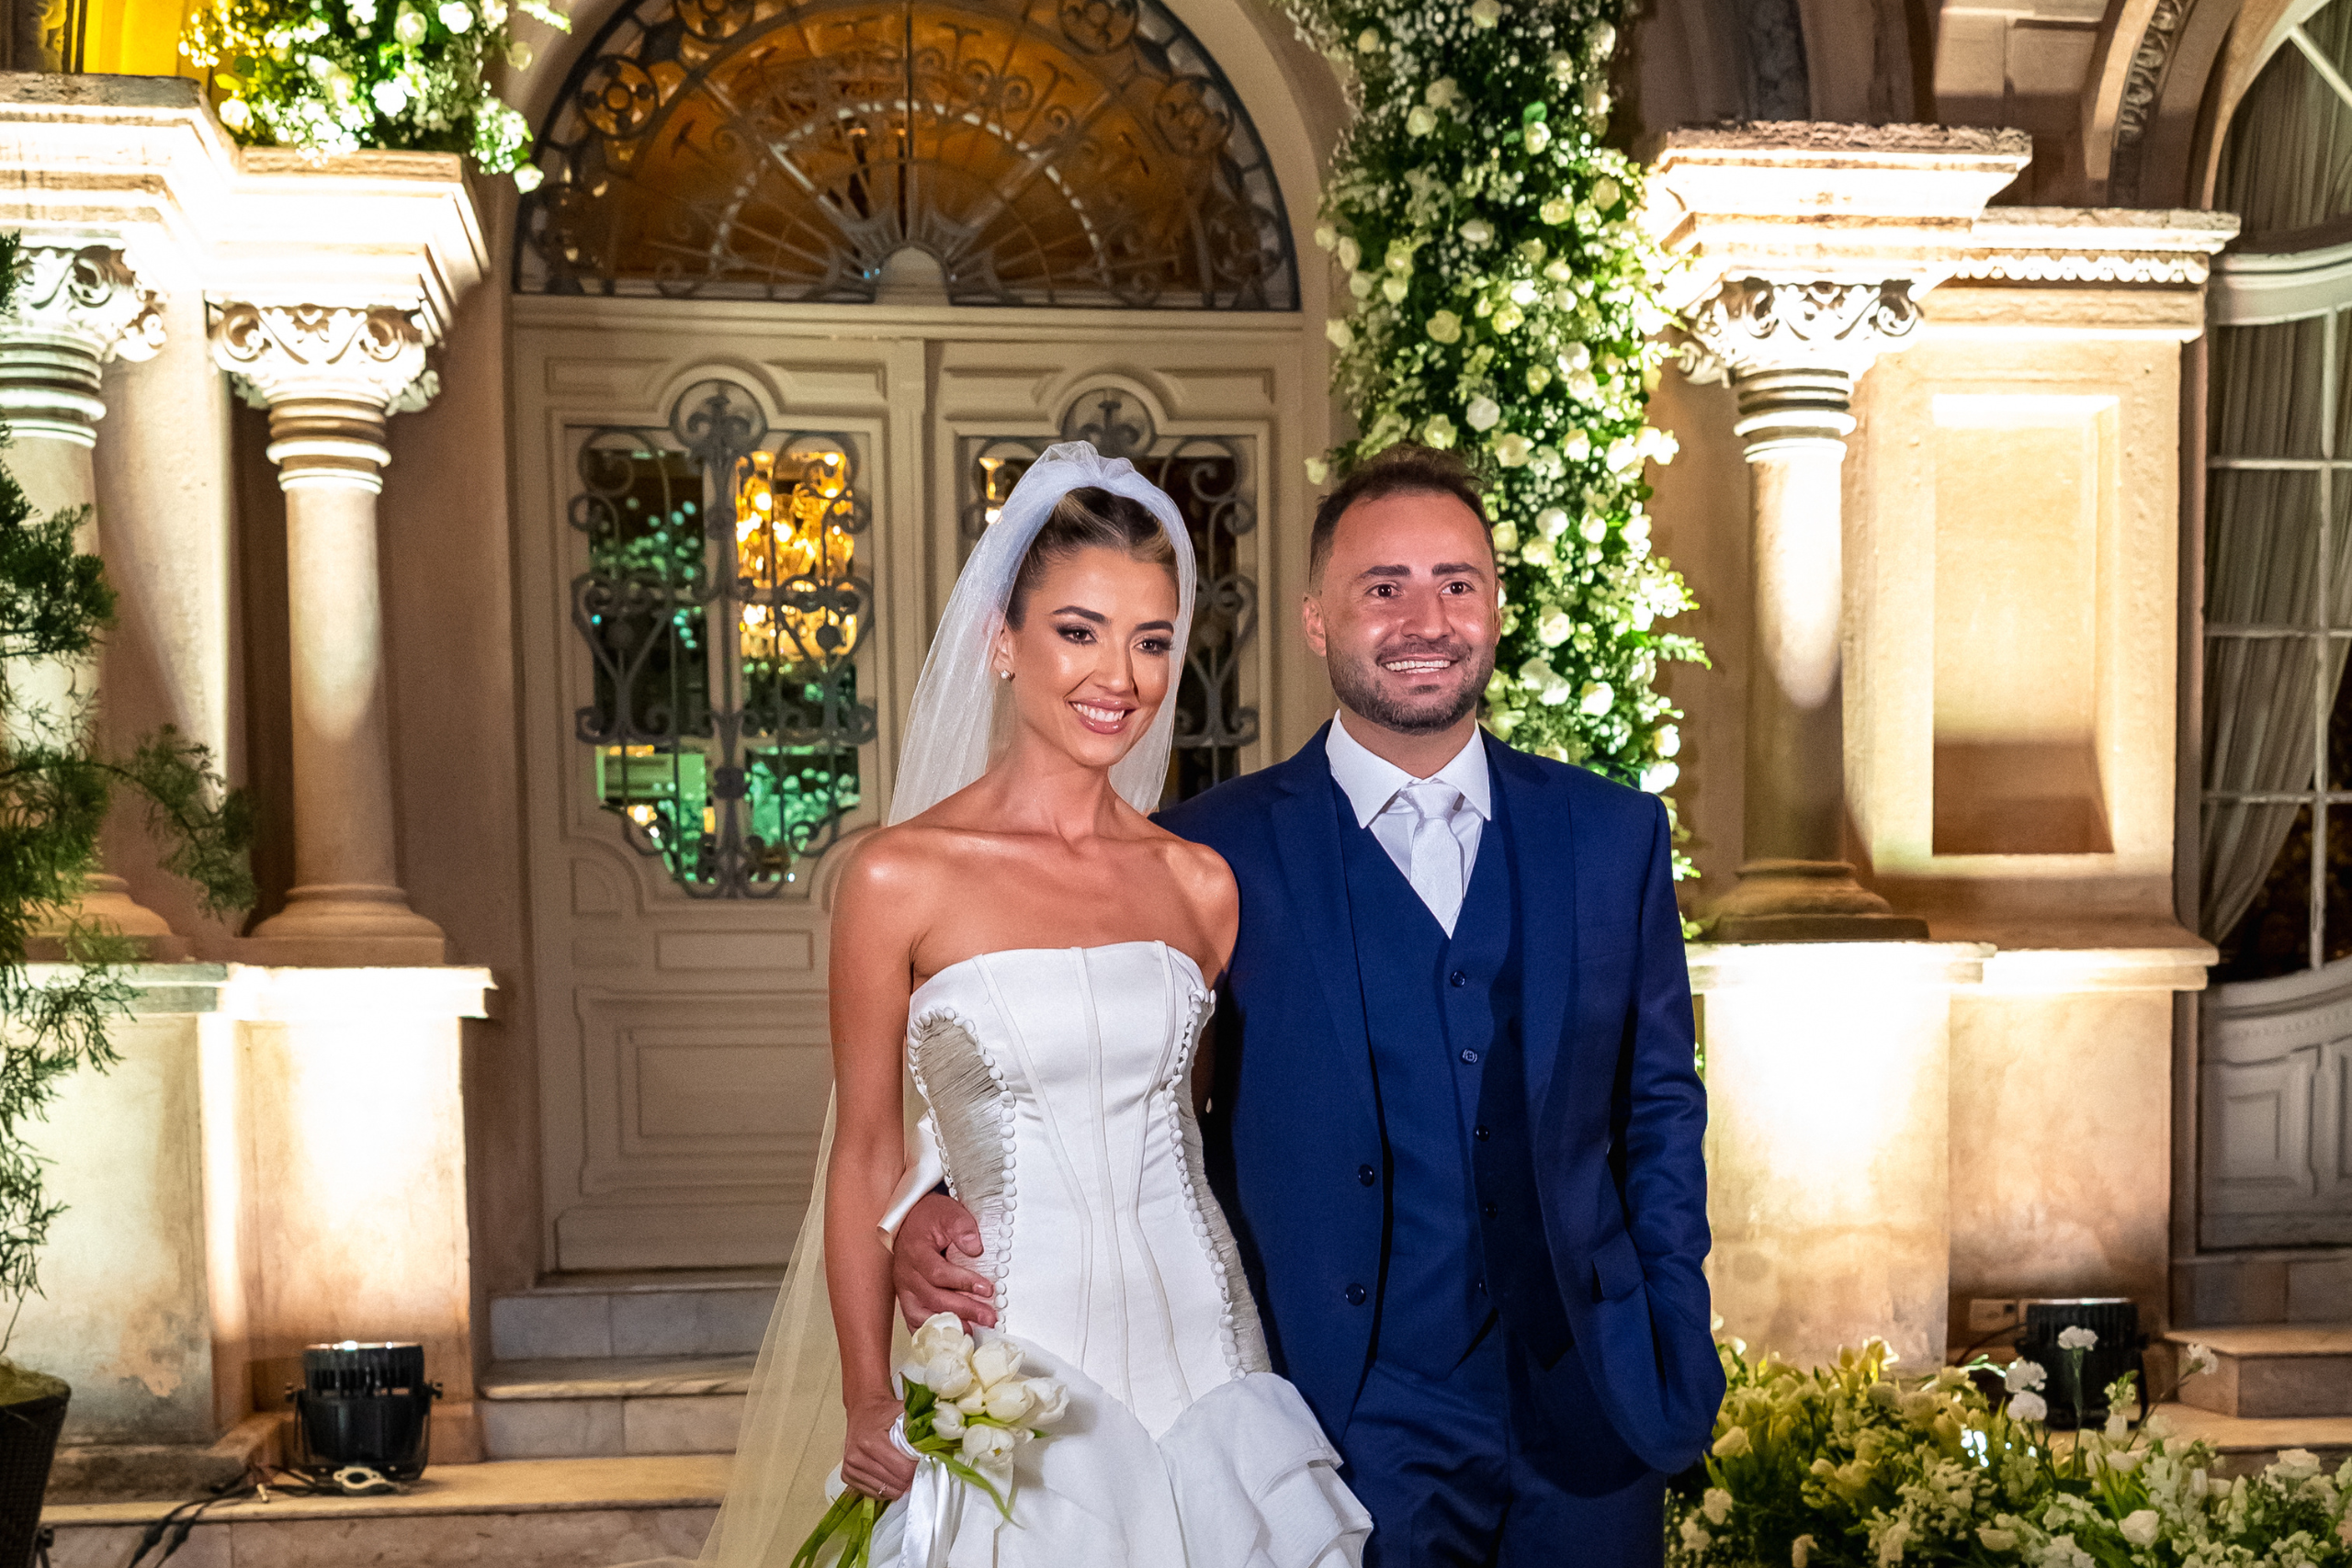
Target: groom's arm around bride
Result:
[1455, 1117]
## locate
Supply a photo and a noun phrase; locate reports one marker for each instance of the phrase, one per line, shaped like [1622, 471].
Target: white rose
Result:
[1439, 433]
[1368, 41]
[1597, 698]
[1484, 413]
[1512, 450]
[1326, 236]
[2140, 1528]
[1392, 288]
[1441, 93]
[1669, 744]
[1317, 470]
[995, 1361]
[1538, 136]
[1478, 232]
[235, 115]
[1601, 41]
[1010, 1401]
[457, 16]
[1341, 334]
[390, 96]
[1400, 259]
[1552, 631]
[519, 55]
[946, 1420]
[1716, 1506]
[1554, 521]
[529, 179]
[1658, 777]
[1485, 13]
[2076, 1338]
[2028, 1407]
[1606, 192]
[948, 1374]
[1595, 529]
[1360, 284]
[2199, 1360]
[1538, 377]
[1525, 292]
[1996, 1539]
[1557, 210]
[1421, 121]
[1578, 448]
[1507, 317]
[409, 26]
[942, 1332]
[1445, 327]
[2023, 1375]
[1349, 252]
[2296, 1464]
[1050, 1401]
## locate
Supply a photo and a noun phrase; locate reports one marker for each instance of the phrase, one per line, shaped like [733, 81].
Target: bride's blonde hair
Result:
[1089, 518]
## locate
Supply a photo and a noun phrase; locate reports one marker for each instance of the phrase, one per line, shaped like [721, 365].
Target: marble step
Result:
[580, 1406]
[2247, 1445]
[2273, 1370]
[578, 1513]
[668, 1313]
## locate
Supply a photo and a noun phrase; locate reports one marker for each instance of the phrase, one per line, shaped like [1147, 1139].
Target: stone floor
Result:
[2248, 1444]
[574, 1513]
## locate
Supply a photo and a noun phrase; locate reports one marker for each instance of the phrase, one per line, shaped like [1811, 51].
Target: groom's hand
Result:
[927, 1264]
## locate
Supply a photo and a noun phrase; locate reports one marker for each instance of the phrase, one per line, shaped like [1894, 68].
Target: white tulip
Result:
[1010, 1401]
[946, 1420]
[988, 1448]
[1051, 1401]
[942, 1332]
[948, 1375]
[995, 1361]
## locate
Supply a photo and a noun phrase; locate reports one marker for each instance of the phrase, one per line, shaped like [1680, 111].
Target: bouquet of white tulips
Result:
[969, 1406]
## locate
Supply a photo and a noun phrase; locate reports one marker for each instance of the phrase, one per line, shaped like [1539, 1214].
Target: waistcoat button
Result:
[1491, 1211]
[1365, 1174]
[1458, 979]
[1356, 1295]
[1470, 1058]
[1482, 1134]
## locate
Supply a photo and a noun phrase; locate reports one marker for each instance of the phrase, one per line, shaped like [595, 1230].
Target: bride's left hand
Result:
[871, 1462]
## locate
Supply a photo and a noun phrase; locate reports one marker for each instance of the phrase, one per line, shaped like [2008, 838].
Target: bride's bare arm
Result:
[877, 916]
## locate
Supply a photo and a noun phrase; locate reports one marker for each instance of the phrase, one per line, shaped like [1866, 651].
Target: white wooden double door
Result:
[681, 1041]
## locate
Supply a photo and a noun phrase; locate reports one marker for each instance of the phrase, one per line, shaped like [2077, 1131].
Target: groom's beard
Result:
[1358, 684]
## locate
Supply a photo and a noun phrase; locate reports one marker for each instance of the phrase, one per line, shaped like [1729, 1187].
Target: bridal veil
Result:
[793, 1423]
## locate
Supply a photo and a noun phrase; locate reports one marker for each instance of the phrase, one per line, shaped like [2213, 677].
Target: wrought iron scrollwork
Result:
[1210, 479]
[1075, 153]
[723, 615]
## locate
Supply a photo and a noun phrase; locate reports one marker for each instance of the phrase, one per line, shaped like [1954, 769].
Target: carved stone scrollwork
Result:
[372, 354]
[2143, 80]
[1757, 323]
[77, 307]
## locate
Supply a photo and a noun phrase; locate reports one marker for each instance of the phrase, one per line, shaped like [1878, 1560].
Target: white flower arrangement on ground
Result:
[1501, 300]
[970, 1406]
[1849, 1465]
[339, 76]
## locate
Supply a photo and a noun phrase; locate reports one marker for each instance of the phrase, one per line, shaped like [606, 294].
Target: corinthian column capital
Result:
[1751, 324]
[78, 305]
[330, 374]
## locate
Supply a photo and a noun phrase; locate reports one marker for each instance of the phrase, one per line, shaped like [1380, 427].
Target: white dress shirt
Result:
[1430, 826]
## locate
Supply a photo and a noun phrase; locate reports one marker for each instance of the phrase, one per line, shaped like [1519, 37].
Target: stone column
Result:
[78, 306]
[1792, 351]
[331, 375]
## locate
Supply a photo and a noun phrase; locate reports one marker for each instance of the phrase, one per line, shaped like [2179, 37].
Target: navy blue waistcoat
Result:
[1465, 1230]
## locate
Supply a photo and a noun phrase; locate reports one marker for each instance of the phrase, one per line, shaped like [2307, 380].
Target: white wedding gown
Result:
[1059, 1082]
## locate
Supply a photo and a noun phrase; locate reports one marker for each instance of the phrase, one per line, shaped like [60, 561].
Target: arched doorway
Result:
[2275, 1092]
[803, 290]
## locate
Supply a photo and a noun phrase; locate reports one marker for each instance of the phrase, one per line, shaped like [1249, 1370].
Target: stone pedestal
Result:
[1829, 1141]
[329, 374]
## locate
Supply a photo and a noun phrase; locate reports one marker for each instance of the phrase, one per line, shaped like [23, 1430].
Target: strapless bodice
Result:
[1058, 1082]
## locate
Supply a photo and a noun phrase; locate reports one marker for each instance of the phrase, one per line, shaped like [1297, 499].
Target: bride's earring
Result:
[1004, 674]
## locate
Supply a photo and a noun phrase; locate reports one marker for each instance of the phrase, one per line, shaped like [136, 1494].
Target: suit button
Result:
[1364, 1174]
[1356, 1295]
[1489, 1210]
[1458, 979]
[1482, 1287]
[1483, 1134]
[1470, 1058]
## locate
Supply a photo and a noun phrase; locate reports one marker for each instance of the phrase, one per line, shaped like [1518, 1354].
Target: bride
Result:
[1040, 958]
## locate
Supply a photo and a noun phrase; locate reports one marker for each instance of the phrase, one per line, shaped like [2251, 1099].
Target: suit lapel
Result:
[1307, 838]
[1543, 845]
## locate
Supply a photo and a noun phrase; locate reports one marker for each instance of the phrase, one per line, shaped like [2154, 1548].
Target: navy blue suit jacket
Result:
[1617, 1107]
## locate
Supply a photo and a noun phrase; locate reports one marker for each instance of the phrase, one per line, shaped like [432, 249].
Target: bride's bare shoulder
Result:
[1207, 881]
[898, 863]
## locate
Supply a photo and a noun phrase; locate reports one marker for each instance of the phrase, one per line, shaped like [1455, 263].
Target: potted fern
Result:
[57, 786]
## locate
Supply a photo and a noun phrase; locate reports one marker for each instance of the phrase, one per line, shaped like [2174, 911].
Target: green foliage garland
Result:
[1503, 301]
[338, 76]
[55, 790]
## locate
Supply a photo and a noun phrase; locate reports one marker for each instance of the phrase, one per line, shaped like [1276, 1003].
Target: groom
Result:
[1454, 1118]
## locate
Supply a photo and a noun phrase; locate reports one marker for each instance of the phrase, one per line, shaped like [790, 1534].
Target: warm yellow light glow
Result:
[788, 530]
[641, 815]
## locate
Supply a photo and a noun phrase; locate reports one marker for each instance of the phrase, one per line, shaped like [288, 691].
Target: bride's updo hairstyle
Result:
[1089, 518]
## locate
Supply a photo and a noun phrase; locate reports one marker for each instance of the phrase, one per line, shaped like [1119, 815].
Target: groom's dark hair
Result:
[1405, 469]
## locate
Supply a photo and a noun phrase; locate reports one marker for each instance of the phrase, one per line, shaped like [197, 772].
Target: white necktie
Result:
[1436, 872]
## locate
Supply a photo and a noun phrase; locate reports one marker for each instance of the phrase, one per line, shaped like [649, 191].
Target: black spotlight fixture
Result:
[363, 1407]
[2079, 1399]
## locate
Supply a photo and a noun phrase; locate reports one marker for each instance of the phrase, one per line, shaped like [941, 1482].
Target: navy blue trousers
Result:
[1498, 1464]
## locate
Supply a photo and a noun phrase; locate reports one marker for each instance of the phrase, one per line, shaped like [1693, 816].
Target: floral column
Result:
[78, 306]
[1792, 351]
[331, 375]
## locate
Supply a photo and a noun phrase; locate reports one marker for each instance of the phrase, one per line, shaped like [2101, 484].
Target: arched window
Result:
[2278, 742]
[1062, 153]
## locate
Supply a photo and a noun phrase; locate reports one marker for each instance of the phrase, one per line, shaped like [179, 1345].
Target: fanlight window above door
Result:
[1059, 152]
